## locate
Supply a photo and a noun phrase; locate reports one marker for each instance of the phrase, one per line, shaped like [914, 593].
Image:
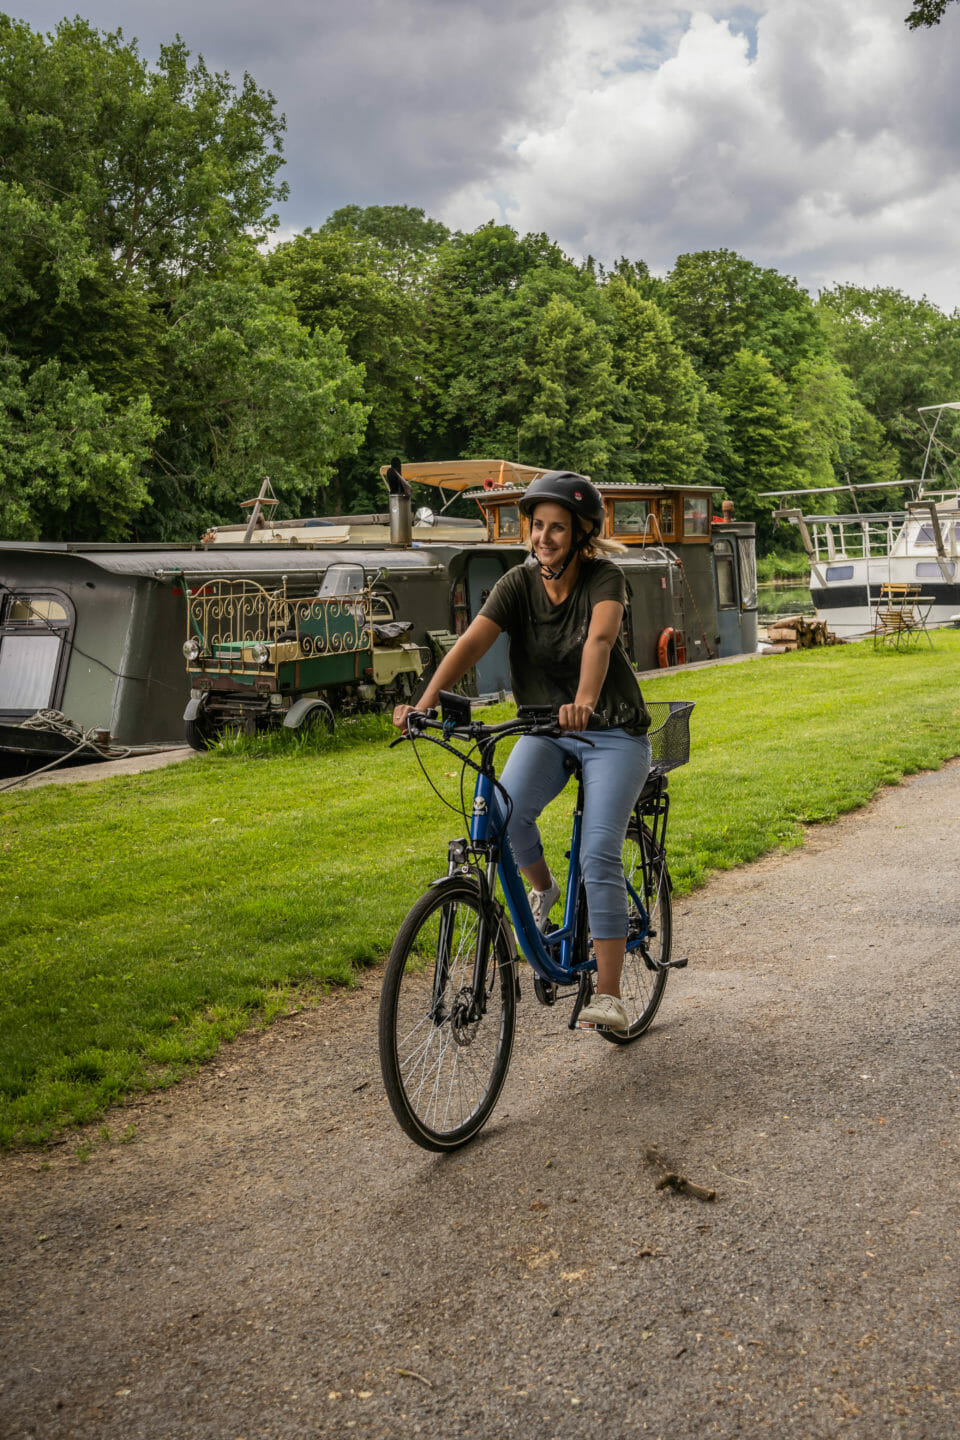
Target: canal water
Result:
[782, 598]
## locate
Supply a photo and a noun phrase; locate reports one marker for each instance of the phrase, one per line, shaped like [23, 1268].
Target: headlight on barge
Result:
[191, 649]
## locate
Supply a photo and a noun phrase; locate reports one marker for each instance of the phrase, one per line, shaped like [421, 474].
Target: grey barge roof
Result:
[165, 563]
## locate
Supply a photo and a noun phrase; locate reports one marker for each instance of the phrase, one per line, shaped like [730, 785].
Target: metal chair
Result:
[900, 618]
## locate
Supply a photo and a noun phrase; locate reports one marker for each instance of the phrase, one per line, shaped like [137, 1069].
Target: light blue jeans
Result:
[614, 768]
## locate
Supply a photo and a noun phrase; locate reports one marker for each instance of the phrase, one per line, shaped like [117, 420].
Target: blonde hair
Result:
[599, 545]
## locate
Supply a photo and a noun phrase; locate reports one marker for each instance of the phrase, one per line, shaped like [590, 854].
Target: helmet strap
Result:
[575, 548]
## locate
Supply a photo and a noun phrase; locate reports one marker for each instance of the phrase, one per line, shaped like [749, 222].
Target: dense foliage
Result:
[148, 374]
[926, 13]
[157, 359]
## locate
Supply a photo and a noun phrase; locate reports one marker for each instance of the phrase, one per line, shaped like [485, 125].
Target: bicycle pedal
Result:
[680, 964]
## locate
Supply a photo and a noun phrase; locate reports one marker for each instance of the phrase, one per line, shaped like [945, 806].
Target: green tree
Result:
[571, 420]
[762, 437]
[344, 280]
[839, 441]
[408, 239]
[661, 391]
[721, 303]
[494, 258]
[69, 458]
[252, 393]
[162, 167]
[900, 353]
[871, 460]
[824, 405]
[926, 13]
[133, 309]
[485, 302]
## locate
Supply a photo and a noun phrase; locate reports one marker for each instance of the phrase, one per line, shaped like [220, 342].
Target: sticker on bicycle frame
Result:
[479, 805]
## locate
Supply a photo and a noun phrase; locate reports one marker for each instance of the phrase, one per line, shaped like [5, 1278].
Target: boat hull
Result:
[849, 607]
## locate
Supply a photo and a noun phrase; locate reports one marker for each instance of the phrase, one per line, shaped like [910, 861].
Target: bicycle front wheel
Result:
[649, 932]
[445, 1043]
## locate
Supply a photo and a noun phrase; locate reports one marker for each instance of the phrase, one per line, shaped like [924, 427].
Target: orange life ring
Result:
[669, 640]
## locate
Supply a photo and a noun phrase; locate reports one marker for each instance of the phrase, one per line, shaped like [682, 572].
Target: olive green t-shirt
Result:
[546, 642]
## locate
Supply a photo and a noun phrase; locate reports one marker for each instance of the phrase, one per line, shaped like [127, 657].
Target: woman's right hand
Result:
[400, 714]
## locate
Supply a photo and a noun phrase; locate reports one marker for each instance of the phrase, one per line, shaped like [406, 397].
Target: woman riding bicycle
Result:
[562, 611]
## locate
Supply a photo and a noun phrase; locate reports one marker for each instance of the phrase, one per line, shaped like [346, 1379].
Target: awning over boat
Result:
[456, 475]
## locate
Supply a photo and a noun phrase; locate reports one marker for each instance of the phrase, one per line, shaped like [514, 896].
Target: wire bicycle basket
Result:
[669, 734]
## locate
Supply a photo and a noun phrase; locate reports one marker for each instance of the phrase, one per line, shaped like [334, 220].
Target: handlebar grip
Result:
[415, 717]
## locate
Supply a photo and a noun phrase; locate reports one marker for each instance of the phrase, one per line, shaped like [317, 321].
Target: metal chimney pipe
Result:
[401, 520]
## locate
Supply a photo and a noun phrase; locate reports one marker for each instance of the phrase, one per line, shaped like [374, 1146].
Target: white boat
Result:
[853, 556]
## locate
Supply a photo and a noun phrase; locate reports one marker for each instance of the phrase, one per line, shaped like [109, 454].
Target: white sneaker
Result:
[542, 902]
[605, 1010]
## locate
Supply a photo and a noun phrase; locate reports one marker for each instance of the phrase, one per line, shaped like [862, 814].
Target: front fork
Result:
[461, 860]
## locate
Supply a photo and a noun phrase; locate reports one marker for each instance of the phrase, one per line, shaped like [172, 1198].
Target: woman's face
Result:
[551, 534]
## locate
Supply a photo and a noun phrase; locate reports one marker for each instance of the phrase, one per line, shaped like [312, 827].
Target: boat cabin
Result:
[692, 588]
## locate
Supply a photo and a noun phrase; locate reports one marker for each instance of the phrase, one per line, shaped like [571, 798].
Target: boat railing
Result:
[831, 538]
[853, 537]
[235, 622]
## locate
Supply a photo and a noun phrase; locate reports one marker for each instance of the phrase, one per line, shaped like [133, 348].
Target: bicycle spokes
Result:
[449, 1037]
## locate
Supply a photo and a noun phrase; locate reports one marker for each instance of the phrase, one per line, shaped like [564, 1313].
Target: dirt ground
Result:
[271, 1257]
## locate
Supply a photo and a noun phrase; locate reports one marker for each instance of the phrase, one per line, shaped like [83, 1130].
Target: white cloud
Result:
[830, 149]
[818, 136]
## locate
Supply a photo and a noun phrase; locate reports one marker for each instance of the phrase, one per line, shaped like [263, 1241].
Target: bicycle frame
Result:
[488, 833]
[553, 957]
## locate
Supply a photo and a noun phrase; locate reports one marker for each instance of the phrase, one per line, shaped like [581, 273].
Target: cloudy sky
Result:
[820, 137]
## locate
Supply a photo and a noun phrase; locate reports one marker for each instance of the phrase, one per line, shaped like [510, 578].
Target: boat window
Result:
[925, 535]
[748, 573]
[667, 520]
[381, 608]
[930, 570]
[839, 572]
[726, 577]
[37, 610]
[696, 515]
[631, 517]
[508, 522]
[33, 628]
[342, 580]
[28, 670]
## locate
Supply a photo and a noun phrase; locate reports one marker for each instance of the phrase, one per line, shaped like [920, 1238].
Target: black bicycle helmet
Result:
[574, 492]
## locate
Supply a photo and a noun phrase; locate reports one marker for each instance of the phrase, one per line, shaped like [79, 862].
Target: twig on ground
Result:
[673, 1180]
[412, 1375]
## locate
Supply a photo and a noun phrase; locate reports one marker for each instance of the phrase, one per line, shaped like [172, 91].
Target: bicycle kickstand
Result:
[584, 989]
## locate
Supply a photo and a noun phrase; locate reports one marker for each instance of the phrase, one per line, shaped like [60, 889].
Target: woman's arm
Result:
[473, 644]
[605, 619]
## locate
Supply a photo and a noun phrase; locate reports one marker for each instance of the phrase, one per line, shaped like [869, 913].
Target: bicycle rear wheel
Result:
[649, 932]
[444, 1051]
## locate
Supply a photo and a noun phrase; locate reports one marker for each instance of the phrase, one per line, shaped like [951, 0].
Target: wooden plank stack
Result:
[800, 632]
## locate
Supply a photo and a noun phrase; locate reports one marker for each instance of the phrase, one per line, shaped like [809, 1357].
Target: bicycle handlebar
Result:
[455, 722]
[420, 721]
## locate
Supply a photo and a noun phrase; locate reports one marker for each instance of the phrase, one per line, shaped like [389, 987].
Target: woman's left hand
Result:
[574, 717]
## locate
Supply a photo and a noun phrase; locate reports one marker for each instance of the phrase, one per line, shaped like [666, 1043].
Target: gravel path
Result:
[270, 1257]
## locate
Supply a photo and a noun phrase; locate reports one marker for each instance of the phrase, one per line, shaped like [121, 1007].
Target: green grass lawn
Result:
[149, 918]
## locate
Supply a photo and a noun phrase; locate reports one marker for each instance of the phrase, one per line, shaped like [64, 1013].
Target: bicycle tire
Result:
[643, 981]
[442, 1075]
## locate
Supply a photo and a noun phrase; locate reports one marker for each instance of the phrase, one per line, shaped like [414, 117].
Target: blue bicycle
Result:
[450, 990]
